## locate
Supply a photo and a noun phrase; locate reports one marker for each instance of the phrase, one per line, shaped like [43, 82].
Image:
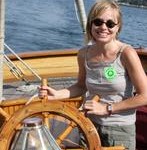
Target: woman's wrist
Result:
[109, 109]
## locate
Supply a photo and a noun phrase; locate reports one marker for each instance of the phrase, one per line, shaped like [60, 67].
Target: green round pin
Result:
[110, 73]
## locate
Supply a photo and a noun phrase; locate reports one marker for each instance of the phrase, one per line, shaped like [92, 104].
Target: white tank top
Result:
[111, 82]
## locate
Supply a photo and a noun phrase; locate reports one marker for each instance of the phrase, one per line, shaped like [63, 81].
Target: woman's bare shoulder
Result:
[130, 57]
[129, 53]
[82, 52]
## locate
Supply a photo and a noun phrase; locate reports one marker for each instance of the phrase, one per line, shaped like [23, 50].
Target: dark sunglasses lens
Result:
[110, 24]
[98, 22]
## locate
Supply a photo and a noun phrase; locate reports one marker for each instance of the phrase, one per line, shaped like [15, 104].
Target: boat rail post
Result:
[2, 22]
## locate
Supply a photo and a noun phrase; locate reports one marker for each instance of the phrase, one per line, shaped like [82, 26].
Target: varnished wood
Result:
[143, 57]
[54, 63]
[54, 107]
[44, 109]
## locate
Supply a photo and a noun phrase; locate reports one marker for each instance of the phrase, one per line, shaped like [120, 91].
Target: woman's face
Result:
[105, 27]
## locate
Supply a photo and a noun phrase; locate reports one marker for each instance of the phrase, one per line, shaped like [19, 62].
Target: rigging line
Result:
[14, 69]
[76, 10]
[25, 64]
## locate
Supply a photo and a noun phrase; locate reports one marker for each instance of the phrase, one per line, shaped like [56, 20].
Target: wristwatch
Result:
[109, 108]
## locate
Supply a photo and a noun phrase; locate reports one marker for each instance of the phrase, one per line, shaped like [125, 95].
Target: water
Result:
[33, 25]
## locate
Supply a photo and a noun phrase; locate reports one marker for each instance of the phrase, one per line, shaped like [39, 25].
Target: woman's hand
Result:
[97, 108]
[45, 91]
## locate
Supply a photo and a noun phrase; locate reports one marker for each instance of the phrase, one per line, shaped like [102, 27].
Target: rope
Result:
[25, 64]
[14, 69]
[31, 99]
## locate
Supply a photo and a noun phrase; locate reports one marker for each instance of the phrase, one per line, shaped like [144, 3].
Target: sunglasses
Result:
[109, 23]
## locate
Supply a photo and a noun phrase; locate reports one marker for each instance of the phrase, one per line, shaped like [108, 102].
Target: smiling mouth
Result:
[102, 34]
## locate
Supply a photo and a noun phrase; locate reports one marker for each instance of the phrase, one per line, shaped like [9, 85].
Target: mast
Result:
[82, 15]
[2, 20]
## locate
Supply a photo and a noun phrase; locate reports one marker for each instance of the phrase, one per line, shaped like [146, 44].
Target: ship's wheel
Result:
[49, 111]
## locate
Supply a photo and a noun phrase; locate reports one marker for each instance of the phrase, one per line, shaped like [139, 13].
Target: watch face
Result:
[109, 108]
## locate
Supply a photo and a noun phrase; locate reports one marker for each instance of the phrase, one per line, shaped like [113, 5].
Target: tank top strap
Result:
[123, 47]
[86, 54]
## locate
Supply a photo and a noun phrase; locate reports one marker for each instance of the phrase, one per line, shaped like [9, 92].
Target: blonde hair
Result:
[97, 9]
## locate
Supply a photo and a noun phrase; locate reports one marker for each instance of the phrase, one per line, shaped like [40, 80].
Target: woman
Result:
[111, 69]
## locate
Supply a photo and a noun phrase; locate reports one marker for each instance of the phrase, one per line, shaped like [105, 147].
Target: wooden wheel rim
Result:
[55, 107]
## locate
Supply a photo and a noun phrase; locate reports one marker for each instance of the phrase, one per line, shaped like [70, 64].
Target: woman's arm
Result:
[75, 90]
[138, 77]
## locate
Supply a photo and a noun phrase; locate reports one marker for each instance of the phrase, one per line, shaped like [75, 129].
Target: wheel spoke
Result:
[65, 133]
